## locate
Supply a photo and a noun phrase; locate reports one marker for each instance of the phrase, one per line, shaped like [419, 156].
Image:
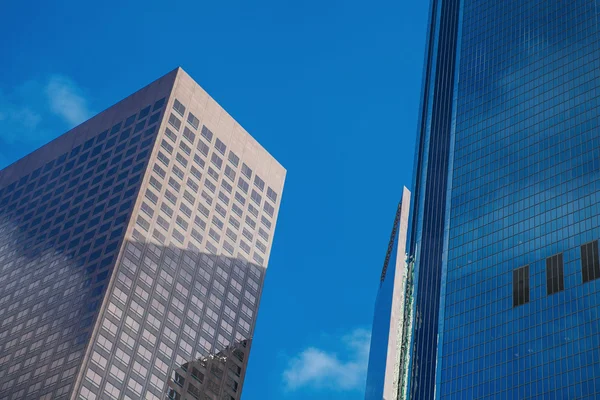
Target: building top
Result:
[177, 81]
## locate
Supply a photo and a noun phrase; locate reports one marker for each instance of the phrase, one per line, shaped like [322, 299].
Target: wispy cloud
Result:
[321, 369]
[36, 111]
[65, 100]
[18, 121]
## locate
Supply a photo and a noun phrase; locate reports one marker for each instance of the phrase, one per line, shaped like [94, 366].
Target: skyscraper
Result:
[505, 224]
[391, 321]
[133, 245]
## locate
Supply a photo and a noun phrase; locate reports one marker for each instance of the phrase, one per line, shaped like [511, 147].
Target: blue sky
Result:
[330, 88]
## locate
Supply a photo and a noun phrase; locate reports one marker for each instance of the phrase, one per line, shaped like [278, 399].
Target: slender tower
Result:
[392, 319]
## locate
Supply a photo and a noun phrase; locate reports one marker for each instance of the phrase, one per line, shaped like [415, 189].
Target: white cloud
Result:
[29, 111]
[321, 369]
[18, 121]
[65, 100]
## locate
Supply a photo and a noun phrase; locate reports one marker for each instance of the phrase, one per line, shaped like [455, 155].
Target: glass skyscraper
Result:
[505, 212]
[133, 247]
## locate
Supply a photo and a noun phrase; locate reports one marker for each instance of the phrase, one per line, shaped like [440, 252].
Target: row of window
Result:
[590, 270]
[219, 146]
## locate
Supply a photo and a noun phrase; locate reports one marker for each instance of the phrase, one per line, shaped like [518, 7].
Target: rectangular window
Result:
[269, 209]
[193, 121]
[199, 161]
[555, 274]
[185, 148]
[590, 265]
[203, 147]
[521, 286]
[167, 146]
[272, 195]
[206, 133]
[242, 184]
[196, 173]
[230, 173]
[233, 158]
[181, 160]
[220, 146]
[246, 171]
[169, 133]
[174, 121]
[189, 135]
[259, 183]
[216, 160]
[180, 108]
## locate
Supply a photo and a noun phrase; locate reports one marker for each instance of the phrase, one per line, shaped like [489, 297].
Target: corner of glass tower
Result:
[505, 224]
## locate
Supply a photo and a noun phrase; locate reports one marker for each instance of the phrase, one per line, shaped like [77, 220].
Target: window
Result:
[181, 160]
[169, 133]
[555, 274]
[590, 266]
[220, 210]
[211, 186]
[164, 159]
[193, 121]
[166, 209]
[259, 183]
[217, 222]
[247, 234]
[166, 146]
[216, 160]
[242, 184]
[151, 196]
[173, 183]
[240, 198]
[233, 158]
[161, 172]
[269, 209]
[256, 197]
[265, 222]
[203, 147]
[213, 174]
[230, 173]
[246, 171]
[207, 198]
[263, 234]
[253, 210]
[196, 173]
[521, 286]
[207, 133]
[174, 121]
[193, 185]
[189, 135]
[187, 149]
[272, 195]
[223, 197]
[220, 146]
[236, 209]
[185, 209]
[234, 222]
[180, 108]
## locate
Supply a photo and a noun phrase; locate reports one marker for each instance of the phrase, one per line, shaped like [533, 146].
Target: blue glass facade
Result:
[507, 299]
[426, 238]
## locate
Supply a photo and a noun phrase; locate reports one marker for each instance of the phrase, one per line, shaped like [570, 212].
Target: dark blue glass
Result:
[507, 175]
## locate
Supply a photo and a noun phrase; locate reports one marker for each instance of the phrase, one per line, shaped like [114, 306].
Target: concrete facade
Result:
[179, 273]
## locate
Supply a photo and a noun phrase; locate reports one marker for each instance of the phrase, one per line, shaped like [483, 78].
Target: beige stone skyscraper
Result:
[132, 246]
